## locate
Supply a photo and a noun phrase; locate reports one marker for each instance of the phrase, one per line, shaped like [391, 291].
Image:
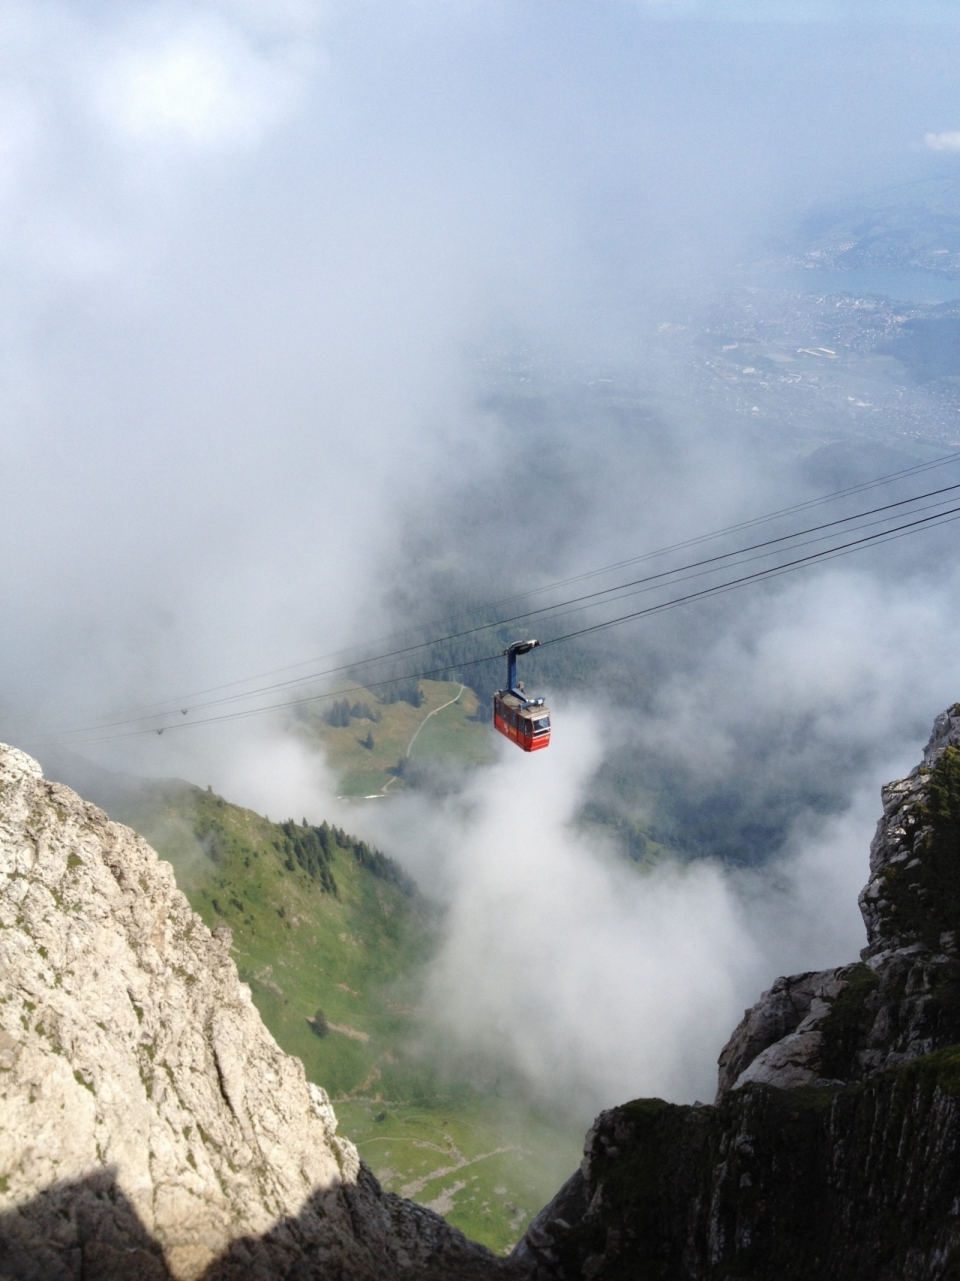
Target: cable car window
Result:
[542, 722]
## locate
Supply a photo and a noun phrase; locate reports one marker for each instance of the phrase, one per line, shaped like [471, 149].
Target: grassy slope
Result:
[488, 1164]
[299, 948]
[366, 771]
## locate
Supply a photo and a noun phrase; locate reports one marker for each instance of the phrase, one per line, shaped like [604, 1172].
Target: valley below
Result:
[358, 361]
[217, 1153]
[332, 939]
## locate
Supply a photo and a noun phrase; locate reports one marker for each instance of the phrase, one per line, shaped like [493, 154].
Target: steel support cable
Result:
[678, 573]
[161, 708]
[845, 549]
[884, 535]
[681, 577]
[733, 529]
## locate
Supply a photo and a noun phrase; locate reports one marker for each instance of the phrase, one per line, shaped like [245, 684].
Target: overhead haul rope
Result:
[746, 524]
[168, 706]
[830, 553]
[558, 608]
[681, 576]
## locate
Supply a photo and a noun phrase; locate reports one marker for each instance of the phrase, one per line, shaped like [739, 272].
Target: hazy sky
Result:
[251, 253]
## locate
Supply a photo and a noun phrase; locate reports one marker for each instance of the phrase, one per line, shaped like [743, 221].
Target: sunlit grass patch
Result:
[485, 1163]
[369, 756]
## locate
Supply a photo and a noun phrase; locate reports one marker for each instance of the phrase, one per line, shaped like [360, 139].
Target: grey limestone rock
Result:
[151, 1126]
[902, 1001]
[786, 1015]
[897, 904]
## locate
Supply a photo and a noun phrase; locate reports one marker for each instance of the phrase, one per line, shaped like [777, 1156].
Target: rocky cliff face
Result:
[151, 1127]
[903, 999]
[833, 1150]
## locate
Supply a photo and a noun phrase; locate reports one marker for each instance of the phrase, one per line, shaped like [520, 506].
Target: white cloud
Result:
[949, 141]
[865, 660]
[18, 133]
[560, 962]
[273, 773]
[592, 981]
[204, 85]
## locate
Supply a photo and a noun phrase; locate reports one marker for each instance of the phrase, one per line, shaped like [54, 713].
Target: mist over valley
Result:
[344, 347]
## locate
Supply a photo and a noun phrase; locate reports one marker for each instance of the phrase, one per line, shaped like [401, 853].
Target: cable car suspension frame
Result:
[524, 721]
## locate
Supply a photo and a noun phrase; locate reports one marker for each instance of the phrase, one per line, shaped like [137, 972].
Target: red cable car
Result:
[525, 721]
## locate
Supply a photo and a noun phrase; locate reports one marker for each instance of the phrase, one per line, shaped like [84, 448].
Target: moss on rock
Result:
[922, 893]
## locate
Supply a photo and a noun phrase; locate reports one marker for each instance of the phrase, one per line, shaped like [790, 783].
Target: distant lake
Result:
[902, 286]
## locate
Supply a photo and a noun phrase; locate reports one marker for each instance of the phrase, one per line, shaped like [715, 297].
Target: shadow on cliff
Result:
[358, 1232]
[88, 1230]
[84, 1230]
[851, 1183]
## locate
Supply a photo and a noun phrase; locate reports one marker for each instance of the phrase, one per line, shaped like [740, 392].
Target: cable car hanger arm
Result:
[510, 653]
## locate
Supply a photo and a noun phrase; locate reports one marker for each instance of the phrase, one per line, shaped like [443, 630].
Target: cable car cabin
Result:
[525, 721]
[526, 724]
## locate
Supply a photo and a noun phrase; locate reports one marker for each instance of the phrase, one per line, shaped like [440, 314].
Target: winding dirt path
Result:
[448, 703]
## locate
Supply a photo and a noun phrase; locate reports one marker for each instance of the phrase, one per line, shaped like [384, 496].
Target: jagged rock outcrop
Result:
[150, 1127]
[903, 999]
[832, 1152]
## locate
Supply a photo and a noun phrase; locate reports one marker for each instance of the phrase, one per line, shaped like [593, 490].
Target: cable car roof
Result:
[525, 706]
